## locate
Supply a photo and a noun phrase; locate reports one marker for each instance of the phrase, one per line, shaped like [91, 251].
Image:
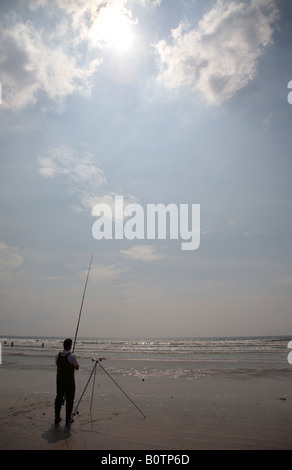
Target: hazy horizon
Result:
[159, 102]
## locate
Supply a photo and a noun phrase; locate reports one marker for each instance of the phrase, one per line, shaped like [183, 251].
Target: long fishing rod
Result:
[77, 328]
[96, 361]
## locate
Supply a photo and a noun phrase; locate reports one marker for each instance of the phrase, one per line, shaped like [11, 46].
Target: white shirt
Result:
[71, 358]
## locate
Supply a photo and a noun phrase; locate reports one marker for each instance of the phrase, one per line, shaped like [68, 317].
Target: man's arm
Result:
[72, 360]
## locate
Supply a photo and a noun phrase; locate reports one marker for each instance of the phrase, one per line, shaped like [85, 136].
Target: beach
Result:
[217, 416]
[241, 411]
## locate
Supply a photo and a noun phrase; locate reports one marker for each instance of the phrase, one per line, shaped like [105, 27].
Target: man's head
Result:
[67, 344]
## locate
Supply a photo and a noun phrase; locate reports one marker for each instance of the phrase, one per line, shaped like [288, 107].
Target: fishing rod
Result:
[97, 361]
[77, 328]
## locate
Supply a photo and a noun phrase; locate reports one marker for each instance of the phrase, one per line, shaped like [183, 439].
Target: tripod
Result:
[97, 362]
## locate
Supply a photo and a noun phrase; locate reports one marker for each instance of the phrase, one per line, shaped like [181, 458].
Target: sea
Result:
[189, 358]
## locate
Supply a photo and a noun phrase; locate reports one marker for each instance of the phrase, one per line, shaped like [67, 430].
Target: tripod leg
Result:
[121, 390]
[75, 411]
[92, 389]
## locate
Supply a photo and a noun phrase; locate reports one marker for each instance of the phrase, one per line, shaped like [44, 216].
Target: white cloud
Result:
[10, 261]
[81, 170]
[30, 64]
[268, 121]
[142, 253]
[102, 273]
[220, 56]
[83, 177]
[61, 56]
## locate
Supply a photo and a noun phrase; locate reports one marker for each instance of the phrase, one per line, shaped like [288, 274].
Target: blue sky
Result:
[166, 101]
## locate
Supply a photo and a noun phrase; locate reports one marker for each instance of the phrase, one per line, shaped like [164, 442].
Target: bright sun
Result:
[113, 28]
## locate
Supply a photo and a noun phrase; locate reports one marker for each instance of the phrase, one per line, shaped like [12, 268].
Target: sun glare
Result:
[114, 28]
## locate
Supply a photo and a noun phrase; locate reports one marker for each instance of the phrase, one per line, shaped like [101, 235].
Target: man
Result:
[66, 365]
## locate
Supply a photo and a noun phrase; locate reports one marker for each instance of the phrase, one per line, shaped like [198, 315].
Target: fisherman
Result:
[66, 365]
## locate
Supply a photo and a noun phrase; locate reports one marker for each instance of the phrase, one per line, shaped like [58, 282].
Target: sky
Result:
[158, 102]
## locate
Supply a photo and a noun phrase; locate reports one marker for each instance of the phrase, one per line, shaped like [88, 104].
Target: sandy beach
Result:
[182, 414]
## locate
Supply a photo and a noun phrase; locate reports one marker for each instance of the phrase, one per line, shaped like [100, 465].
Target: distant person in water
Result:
[66, 363]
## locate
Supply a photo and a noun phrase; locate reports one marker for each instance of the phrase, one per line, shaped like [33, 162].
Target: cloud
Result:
[10, 260]
[81, 170]
[287, 281]
[60, 49]
[102, 273]
[268, 121]
[30, 63]
[142, 253]
[220, 56]
[83, 177]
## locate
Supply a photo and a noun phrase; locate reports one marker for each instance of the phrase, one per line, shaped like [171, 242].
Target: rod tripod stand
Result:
[97, 362]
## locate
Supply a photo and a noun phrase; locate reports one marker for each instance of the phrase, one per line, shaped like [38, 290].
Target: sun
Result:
[113, 28]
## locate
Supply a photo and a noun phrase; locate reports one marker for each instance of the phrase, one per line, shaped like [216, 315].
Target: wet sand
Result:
[181, 414]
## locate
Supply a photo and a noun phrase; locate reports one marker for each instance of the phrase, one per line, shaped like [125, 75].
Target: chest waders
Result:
[65, 387]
